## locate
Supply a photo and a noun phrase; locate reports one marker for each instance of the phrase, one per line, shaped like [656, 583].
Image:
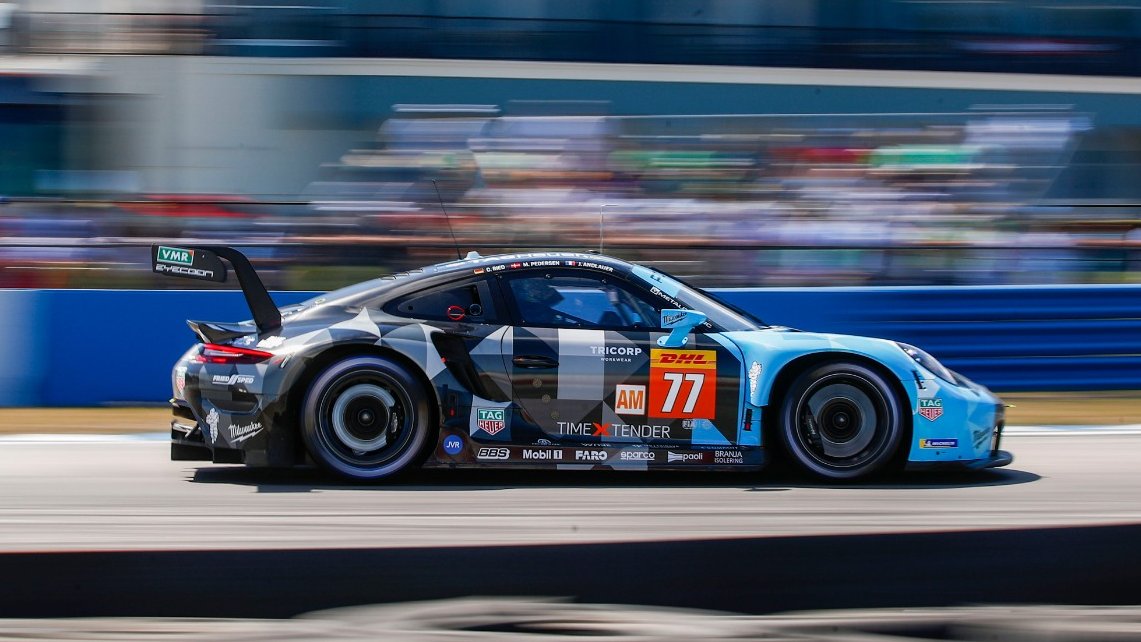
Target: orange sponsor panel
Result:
[683, 384]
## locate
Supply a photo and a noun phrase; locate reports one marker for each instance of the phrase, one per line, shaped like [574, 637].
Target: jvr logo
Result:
[175, 255]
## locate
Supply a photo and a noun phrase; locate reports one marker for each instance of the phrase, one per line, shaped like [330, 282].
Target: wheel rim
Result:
[842, 421]
[361, 417]
[366, 419]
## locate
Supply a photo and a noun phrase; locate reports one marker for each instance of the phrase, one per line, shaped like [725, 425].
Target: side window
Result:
[469, 302]
[579, 301]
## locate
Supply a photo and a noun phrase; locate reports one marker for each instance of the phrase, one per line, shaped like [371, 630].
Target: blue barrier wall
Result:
[94, 347]
[1014, 338]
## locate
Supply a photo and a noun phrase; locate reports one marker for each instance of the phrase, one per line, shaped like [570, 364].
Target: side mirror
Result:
[679, 323]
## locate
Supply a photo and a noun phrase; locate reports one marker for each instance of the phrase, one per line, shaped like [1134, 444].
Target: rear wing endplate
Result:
[205, 263]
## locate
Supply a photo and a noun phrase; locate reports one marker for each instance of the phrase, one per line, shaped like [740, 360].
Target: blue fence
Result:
[95, 347]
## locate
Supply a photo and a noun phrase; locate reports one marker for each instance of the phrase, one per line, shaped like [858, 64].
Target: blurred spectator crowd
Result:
[969, 198]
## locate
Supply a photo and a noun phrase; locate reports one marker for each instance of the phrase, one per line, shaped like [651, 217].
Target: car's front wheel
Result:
[365, 418]
[841, 421]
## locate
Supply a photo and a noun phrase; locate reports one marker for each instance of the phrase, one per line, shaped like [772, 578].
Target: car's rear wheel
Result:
[365, 418]
[841, 421]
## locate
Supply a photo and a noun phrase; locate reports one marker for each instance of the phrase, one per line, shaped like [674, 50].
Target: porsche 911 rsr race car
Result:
[554, 360]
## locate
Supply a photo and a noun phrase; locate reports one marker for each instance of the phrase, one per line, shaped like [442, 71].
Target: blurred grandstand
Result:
[1011, 191]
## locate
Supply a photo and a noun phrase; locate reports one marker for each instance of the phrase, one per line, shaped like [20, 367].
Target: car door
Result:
[470, 322]
[586, 369]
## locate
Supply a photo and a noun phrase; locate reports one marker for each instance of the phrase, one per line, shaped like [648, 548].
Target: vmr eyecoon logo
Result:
[175, 255]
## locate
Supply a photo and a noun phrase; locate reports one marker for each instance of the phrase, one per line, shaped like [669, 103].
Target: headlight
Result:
[927, 361]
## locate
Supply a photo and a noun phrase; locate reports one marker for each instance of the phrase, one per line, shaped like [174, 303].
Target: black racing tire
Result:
[366, 418]
[841, 421]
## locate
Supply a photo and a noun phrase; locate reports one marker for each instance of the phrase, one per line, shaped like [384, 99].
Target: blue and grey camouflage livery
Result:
[560, 360]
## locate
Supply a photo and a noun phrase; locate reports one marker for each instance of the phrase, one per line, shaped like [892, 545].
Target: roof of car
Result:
[476, 264]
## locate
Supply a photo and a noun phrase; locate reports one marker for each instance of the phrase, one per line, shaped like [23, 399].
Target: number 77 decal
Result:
[683, 384]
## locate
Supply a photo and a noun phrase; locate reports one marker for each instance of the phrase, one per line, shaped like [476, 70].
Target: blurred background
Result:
[733, 142]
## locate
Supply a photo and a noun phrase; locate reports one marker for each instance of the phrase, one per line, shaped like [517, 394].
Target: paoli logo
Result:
[630, 400]
[672, 457]
[493, 453]
[223, 380]
[938, 443]
[590, 455]
[489, 420]
[175, 255]
[931, 409]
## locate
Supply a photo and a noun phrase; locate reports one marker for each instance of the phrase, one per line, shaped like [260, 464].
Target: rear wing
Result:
[205, 263]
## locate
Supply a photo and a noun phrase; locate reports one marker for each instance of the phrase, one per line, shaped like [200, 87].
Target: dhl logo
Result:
[684, 359]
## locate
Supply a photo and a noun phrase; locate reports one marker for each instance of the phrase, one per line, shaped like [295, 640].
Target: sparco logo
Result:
[590, 455]
[493, 453]
[232, 379]
[673, 457]
[542, 454]
[636, 456]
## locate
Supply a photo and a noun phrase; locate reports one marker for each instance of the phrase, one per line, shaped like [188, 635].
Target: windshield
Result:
[726, 317]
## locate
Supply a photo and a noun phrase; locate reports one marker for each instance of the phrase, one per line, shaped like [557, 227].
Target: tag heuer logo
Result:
[175, 255]
[489, 420]
[931, 409]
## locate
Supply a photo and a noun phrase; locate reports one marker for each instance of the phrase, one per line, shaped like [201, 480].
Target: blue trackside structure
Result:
[1008, 338]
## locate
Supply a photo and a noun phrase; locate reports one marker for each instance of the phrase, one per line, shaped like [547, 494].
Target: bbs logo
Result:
[493, 453]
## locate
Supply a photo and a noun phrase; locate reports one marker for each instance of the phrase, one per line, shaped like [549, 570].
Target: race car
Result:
[560, 360]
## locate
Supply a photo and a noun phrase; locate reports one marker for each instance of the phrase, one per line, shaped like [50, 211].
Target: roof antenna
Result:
[459, 255]
[601, 209]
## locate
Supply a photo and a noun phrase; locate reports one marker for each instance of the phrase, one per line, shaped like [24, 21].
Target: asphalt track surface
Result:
[114, 528]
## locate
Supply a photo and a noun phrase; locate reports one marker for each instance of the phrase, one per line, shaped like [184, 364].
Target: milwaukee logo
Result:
[175, 255]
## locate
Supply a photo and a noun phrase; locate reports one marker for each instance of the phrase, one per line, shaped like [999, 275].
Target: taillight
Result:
[214, 353]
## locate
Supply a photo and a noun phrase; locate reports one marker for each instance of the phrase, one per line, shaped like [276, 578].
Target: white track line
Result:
[1134, 429]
